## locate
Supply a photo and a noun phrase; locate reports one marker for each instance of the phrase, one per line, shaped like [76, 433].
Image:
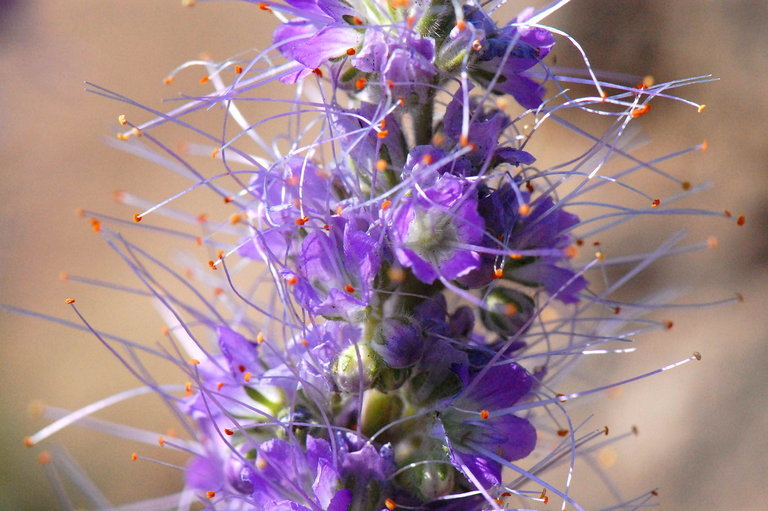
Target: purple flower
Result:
[509, 436]
[432, 231]
[337, 268]
[507, 52]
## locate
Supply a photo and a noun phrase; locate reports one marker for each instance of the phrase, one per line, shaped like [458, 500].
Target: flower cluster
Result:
[425, 292]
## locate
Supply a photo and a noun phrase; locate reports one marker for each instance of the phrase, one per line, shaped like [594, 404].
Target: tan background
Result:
[702, 427]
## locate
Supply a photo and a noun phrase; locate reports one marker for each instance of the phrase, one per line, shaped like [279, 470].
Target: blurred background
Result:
[701, 439]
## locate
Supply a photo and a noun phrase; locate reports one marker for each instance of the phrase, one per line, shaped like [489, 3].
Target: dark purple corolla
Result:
[470, 422]
[506, 53]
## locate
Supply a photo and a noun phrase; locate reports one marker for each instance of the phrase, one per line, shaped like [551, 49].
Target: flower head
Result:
[420, 293]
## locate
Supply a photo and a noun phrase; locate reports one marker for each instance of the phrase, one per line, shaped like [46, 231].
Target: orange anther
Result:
[264, 6]
[386, 204]
[137, 217]
[165, 330]
[161, 441]
[349, 289]
[390, 84]
[318, 72]
[122, 120]
[511, 309]
[194, 361]
[212, 265]
[686, 185]
[28, 441]
[168, 80]
[477, 45]
[655, 203]
[247, 376]
[426, 159]
[304, 343]
[204, 79]
[562, 432]
[570, 251]
[401, 101]
[668, 324]
[301, 221]
[741, 220]
[396, 274]
[228, 432]
[218, 291]
[134, 456]
[390, 504]
[44, 458]
[260, 338]
[704, 146]
[438, 139]
[188, 388]
[215, 152]
[701, 108]
[361, 83]
[228, 199]
[524, 209]
[292, 280]
[210, 494]
[220, 254]
[69, 301]
[484, 414]
[219, 385]
[727, 213]
[604, 96]
[239, 70]
[339, 209]
[641, 110]
[95, 225]
[356, 21]
[463, 140]
[498, 273]
[382, 134]
[351, 51]
[461, 25]
[235, 218]
[410, 21]
[198, 241]
[381, 165]
[63, 276]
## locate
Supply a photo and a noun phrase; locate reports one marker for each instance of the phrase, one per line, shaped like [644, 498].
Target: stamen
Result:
[390, 504]
[351, 51]
[381, 165]
[239, 70]
[741, 220]
[361, 83]
[641, 110]
[122, 120]
[484, 414]
[386, 204]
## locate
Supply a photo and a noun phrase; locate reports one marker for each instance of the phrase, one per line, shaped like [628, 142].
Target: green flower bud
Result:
[357, 366]
[508, 311]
